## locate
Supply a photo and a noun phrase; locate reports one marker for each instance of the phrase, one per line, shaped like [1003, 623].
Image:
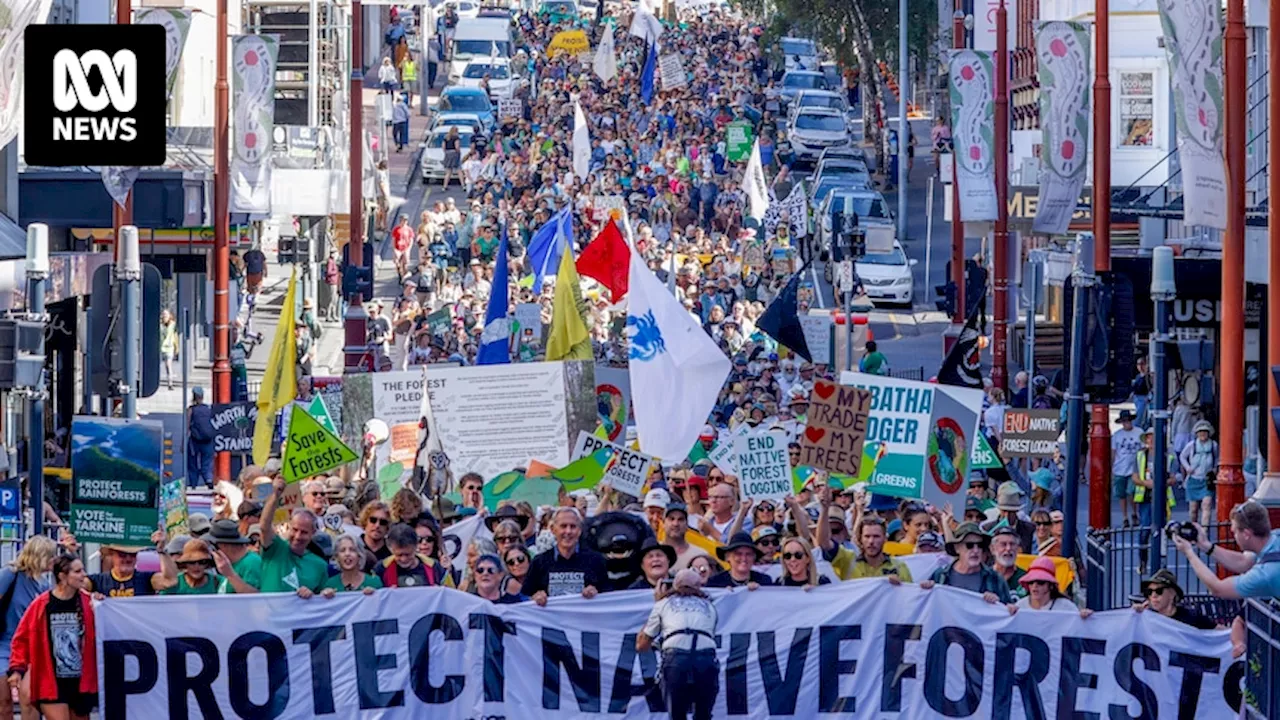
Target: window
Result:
[1137, 108]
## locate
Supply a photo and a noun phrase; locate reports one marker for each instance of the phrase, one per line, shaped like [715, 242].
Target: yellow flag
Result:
[569, 339]
[280, 382]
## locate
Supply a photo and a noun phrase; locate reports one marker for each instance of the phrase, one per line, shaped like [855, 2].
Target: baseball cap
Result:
[657, 498]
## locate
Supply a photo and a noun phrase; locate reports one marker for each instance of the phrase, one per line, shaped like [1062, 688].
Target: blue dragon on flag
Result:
[646, 338]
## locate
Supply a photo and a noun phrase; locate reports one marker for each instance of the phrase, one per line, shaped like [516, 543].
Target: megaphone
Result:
[376, 432]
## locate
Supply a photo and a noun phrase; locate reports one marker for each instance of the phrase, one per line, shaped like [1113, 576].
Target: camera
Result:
[1186, 530]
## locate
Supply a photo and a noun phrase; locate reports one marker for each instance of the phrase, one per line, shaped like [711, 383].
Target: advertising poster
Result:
[116, 467]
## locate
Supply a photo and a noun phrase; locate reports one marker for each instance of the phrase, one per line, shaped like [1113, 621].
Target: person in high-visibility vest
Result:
[1143, 486]
[409, 76]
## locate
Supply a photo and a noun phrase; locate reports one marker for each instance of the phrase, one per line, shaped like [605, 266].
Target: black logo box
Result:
[42, 43]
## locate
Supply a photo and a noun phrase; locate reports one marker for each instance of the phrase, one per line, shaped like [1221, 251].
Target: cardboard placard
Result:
[837, 426]
[672, 71]
[629, 469]
[404, 442]
[764, 464]
[1030, 433]
[817, 334]
[310, 449]
[510, 107]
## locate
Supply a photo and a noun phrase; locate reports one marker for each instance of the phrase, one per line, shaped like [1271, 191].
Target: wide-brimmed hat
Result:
[194, 550]
[1164, 577]
[176, 544]
[226, 532]
[1010, 496]
[122, 548]
[1202, 425]
[739, 540]
[1042, 570]
[964, 531]
[506, 513]
[1126, 416]
[449, 510]
[652, 544]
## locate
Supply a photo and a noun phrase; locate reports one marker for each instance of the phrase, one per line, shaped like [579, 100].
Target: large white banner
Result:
[1063, 49]
[253, 64]
[973, 129]
[1193, 40]
[861, 649]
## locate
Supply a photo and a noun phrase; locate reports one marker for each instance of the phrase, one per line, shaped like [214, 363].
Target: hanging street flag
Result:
[963, 365]
[17, 15]
[581, 144]
[311, 449]
[1063, 49]
[568, 339]
[547, 243]
[1193, 41]
[253, 65]
[495, 339]
[972, 127]
[605, 63]
[606, 260]
[646, 75]
[119, 180]
[279, 382]
[781, 320]
[754, 185]
[676, 369]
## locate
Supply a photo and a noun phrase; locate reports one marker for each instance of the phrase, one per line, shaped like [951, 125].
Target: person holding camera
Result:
[1256, 564]
[683, 623]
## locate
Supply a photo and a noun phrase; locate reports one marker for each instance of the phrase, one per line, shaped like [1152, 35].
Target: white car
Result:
[798, 53]
[433, 151]
[818, 98]
[462, 120]
[814, 129]
[501, 84]
[887, 276]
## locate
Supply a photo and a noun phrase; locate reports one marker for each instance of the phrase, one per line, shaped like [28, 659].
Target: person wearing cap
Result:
[1010, 500]
[1040, 590]
[1199, 460]
[1004, 557]
[200, 434]
[655, 566]
[768, 542]
[236, 563]
[930, 543]
[567, 568]
[967, 571]
[249, 513]
[124, 579]
[1256, 563]
[873, 562]
[742, 554]
[684, 624]
[1161, 593]
[655, 508]
[192, 570]
[1125, 444]
[675, 528]
[198, 524]
[287, 563]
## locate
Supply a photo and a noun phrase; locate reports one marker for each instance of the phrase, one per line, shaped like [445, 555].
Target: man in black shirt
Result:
[123, 580]
[741, 554]
[1163, 595]
[565, 569]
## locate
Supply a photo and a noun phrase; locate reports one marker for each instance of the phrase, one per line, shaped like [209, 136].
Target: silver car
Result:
[796, 80]
[815, 129]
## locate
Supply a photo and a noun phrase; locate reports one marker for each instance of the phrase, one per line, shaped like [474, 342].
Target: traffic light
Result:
[21, 359]
[946, 302]
[1110, 329]
[357, 280]
[106, 321]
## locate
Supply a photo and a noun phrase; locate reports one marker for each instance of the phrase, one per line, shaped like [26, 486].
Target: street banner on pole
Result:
[253, 104]
[1193, 42]
[973, 127]
[116, 466]
[1063, 49]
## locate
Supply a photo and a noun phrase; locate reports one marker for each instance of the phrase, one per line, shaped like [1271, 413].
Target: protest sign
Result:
[404, 442]
[233, 424]
[855, 649]
[510, 107]
[739, 136]
[672, 72]
[528, 323]
[724, 454]
[817, 335]
[116, 467]
[173, 505]
[983, 457]
[763, 464]
[310, 449]
[568, 41]
[1029, 433]
[613, 400]
[603, 206]
[753, 254]
[586, 58]
[833, 438]
[629, 469]
[320, 411]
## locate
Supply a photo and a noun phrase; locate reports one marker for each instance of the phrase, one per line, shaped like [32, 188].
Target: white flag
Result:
[605, 64]
[645, 24]
[755, 186]
[581, 144]
[677, 370]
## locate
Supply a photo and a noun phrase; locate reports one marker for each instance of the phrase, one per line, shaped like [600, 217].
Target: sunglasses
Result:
[428, 539]
[514, 561]
[1033, 583]
[196, 563]
[1044, 523]
[486, 570]
[793, 556]
[972, 545]
[768, 541]
[384, 522]
[507, 538]
[1155, 590]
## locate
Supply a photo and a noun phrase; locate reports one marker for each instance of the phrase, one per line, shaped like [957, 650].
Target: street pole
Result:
[121, 216]
[1000, 242]
[958, 314]
[1269, 488]
[1100, 423]
[1163, 292]
[221, 230]
[355, 319]
[1034, 283]
[903, 133]
[1082, 279]
[928, 240]
[1230, 490]
[37, 272]
[129, 276]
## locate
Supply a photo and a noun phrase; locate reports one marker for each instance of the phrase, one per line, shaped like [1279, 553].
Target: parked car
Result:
[469, 100]
[814, 129]
[433, 152]
[796, 80]
[887, 276]
[818, 98]
[798, 53]
[462, 120]
[884, 270]
[501, 84]
[842, 167]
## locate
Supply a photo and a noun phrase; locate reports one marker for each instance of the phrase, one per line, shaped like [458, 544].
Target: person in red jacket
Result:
[55, 643]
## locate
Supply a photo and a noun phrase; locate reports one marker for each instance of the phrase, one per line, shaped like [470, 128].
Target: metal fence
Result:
[1262, 659]
[916, 373]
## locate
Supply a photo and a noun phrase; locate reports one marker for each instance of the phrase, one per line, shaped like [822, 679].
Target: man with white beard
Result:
[1004, 553]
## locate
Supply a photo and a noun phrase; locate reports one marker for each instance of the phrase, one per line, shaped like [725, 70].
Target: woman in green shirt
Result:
[353, 577]
[192, 569]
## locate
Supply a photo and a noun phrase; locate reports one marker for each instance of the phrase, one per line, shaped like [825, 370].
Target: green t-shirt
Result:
[209, 587]
[283, 571]
[249, 568]
[369, 581]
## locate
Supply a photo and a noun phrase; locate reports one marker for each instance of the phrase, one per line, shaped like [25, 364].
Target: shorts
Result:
[1197, 489]
[254, 281]
[1122, 486]
[69, 694]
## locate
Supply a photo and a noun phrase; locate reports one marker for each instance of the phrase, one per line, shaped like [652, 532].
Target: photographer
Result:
[1257, 564]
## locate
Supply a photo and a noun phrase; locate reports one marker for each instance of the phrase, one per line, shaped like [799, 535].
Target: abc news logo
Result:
[95, 95]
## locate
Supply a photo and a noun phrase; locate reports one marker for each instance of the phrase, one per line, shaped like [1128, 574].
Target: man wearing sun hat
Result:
[967, 571]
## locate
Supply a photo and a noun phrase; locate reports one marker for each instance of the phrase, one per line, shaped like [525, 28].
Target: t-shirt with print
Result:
[285, 571]
[682, 623]
[553, 573]
[135, 585]
[1125, 445]
[1263, 579]
[65, 631]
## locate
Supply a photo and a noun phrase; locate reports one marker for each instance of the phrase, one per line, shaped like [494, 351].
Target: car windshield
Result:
[559, 7]
[466, 102]
[823, 101]
[825, 123]
[893, 257]
[437, 141]
[476, 71]
[864, 206]
[804, 81]
[472, 48]
[842, 170]
[799, 47]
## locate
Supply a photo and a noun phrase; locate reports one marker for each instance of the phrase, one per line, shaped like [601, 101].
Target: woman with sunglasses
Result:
[55, 649]
[1046, 543]
[475, 549]
[703, 565]
[517, 560]
[351, 576]
[490, 581]
[375, 519]
[506, 535]
[1041, 582]
[799, 568]
[192, 570]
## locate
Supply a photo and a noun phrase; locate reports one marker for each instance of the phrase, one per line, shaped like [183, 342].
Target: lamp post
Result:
[1163, 292]
[221, 230]
[1100, 424]
[1269, 489]
[904, 133]
[1000, 239]
[1230, 490]
[121, 216]
[37, 272]
[1082, 279]
[129, 274]
[355, 319]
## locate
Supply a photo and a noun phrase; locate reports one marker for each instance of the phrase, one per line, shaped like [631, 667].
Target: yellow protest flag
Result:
[569, 339]
[280, 382]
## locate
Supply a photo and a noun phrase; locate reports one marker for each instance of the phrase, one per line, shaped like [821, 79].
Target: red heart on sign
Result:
[824, 390]
[814, 433]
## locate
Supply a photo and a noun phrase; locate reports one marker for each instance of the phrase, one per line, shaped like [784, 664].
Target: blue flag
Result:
[646, 77]
[495, 340]
[547, 243]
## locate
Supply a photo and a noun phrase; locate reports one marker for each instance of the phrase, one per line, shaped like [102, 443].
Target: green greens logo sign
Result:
[739, 136]
[116, 466]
